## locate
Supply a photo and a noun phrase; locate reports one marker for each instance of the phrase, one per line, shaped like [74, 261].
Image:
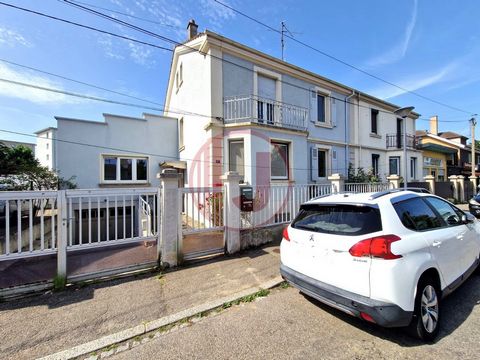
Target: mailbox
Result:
[246, 198]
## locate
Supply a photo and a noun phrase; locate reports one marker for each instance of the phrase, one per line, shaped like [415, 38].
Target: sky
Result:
[431, 47]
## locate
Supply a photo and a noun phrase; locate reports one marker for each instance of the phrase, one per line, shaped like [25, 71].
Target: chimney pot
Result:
[191, 29]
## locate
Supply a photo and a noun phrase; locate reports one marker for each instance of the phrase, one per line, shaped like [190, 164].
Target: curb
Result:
[142, 329]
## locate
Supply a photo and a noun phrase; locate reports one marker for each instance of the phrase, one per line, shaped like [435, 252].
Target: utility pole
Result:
[473, 123]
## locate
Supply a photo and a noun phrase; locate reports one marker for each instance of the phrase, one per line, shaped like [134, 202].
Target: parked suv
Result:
[388, 257]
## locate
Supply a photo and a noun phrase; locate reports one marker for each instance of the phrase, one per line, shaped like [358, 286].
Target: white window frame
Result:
[119, 157]
[327, 111]
[179, 77]
[236, 140]
[328, 165]
[397, 158]
[414, 162]
[289, 152]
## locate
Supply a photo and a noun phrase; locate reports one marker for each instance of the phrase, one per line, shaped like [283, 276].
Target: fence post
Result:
[461, 187]
[394, 181]
[170, 210]
[453, 180]
[473, 179]
[231, 180]
[338, 183]
[62, 219]
[430, 180]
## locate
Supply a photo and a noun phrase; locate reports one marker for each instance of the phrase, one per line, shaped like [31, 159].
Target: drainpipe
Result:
[347, 133]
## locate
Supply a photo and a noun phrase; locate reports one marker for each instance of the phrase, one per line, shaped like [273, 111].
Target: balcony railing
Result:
[249, 108]
[396, 141]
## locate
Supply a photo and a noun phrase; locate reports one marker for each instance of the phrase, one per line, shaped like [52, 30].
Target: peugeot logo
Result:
[311, 238]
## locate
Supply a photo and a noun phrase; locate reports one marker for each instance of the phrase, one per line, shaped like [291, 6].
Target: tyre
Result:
[425, 323]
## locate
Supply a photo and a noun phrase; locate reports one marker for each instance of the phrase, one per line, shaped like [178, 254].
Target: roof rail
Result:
[390, 191]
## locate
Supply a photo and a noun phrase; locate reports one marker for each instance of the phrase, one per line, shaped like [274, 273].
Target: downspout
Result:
[347, 133]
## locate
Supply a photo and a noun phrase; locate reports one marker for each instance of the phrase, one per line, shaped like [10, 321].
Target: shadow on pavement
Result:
[455, 309]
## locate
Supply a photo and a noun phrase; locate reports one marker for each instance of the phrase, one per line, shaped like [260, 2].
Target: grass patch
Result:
[284, 285]
[59, 282]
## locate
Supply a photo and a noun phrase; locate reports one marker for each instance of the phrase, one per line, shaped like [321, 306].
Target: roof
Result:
[451, 135]
[44, 130]
[225, 40]
[364, 198]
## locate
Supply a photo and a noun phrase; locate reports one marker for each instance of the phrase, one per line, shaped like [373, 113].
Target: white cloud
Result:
[215, 13]
[30, 94]
[140, 54]
[399, 50]
[12, 38]
[415, 83]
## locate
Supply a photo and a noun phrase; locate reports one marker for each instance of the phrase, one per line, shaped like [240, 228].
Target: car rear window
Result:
[338, 219]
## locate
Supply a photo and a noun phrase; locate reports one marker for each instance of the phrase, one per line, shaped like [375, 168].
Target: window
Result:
[413, 167]
[125, 169]
[322, 163]
[279, 161]
[415, 214]
[449, 214]
[47, 144]
[181, 144]
[179, 77]
[236, 156]
[267, 95]
[347, 220]
[394, 166]
[374, 117]
[321, 109]
[48, 157]
[375, 160]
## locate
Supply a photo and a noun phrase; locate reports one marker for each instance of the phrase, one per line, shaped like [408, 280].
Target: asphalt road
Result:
[287, 325]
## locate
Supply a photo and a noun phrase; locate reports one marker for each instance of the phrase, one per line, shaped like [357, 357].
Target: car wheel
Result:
[426, 318]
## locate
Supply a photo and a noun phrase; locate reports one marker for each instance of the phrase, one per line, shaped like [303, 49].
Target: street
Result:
[286, 325]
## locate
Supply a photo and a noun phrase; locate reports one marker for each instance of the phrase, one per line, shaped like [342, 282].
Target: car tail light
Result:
[367, 317]
[378, 247]
[285, 234]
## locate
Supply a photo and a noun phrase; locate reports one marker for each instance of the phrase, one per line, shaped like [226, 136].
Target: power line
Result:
[163, 48]
[128, 15]
[342, 61]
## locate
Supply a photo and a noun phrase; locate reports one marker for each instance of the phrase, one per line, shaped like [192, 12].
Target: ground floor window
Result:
[413, 167]
[124, 169]
[394, 165]
[322, 163]
[236, 156]
[375, 161]
[279, 160]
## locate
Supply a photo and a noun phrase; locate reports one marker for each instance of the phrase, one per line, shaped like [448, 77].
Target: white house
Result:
[46, 149]
[119, 151]
[273, 122]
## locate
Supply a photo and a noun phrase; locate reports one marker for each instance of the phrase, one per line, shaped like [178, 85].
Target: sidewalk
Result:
[49, 323]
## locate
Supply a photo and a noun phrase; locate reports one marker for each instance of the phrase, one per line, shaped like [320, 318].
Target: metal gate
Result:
[202, 222]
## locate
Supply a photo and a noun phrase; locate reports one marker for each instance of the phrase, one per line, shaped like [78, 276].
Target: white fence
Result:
[278, 204]
[203, 209]
[366, 187]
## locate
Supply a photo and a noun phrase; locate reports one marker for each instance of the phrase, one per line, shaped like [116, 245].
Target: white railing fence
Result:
[366, 187]
[202, 209]
[279, 204]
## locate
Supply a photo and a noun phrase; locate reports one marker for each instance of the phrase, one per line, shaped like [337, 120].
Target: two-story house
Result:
[271, 121]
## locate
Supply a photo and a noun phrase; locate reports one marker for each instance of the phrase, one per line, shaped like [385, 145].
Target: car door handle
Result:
[436, 243]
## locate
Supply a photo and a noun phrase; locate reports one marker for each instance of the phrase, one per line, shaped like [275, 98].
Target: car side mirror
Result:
[468, 218]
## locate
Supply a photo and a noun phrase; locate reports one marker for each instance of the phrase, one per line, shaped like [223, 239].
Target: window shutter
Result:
[314, 163]
[313, 105]
[334, 162]
[333, 111]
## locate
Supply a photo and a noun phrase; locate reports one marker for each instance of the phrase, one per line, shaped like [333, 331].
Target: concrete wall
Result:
[251, 238]
[154, 137]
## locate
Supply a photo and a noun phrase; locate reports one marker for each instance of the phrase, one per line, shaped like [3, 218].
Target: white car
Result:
[387, 257]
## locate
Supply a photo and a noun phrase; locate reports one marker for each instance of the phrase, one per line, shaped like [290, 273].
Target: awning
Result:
[174, 164]
[437, 148]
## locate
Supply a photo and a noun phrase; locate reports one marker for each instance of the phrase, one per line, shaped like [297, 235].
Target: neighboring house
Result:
[119, 151]
[11, 143]
[46, 149]
[271, 121]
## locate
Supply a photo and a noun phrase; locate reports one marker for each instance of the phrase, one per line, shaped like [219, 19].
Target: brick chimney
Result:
[191, 29]
[434, 125]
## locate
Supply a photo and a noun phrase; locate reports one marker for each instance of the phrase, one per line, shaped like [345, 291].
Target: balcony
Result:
[396, 141]
[253, 109]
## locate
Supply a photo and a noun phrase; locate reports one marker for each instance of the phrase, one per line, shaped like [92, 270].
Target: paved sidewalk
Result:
[53, 322]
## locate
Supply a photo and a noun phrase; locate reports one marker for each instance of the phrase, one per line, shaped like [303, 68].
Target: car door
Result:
[464, 234]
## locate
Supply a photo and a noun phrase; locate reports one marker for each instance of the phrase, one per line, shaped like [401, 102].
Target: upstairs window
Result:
[124, 169]
[321, 111]
[374, 119]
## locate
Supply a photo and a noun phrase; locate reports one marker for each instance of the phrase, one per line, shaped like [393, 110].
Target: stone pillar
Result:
[394, 181]
[338, 183]
[430, 180]
[62, 219]
[170, 238]
[231, 202]
[473, 179]
[453, 180]
[461, 187]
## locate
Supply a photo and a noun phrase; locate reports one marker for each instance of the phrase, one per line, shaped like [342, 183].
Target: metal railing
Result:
[396, 141]
[279, 204]
[366, 187]
[203, 209]
[249, 108]
[28, 223]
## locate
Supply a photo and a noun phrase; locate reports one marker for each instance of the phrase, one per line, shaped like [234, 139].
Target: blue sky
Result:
[429, 46]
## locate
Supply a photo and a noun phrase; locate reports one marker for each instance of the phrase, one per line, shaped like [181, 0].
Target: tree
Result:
[19, 170]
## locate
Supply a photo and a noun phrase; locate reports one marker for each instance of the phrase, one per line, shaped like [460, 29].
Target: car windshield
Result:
[338, 219]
